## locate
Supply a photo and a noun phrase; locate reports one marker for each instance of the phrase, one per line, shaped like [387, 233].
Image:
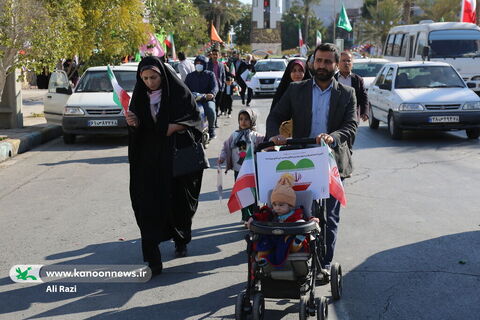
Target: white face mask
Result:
[199, 67]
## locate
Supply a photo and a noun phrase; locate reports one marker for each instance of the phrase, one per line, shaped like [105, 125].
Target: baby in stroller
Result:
[274, 249]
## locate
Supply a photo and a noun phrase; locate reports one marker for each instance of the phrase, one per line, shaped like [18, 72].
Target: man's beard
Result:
[323, 74]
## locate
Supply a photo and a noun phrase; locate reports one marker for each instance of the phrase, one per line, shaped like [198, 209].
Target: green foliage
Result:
[243, 27]
[291, 20]
[437, 9]
[386, 15]
[182, 18]
[366, 4]
[222, 13]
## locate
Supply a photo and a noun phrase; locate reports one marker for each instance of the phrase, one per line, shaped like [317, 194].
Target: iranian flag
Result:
[243, 193]
[300, 38]
[335, 182]
[120, 96]
[468, 13]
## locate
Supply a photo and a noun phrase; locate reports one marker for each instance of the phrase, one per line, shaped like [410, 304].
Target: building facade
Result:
[266, 19]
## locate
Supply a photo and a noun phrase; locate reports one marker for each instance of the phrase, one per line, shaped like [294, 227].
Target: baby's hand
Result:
[315, 219]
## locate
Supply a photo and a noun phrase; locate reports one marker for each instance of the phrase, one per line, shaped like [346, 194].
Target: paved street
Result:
[408, 241]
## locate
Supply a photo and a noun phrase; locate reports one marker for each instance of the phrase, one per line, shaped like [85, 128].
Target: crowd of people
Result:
[309, 102]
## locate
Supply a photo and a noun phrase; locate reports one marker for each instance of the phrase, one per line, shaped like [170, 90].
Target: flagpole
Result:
[334, 20]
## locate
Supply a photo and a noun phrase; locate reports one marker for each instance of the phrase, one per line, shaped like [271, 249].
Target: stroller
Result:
[199, 99]
[301, 271]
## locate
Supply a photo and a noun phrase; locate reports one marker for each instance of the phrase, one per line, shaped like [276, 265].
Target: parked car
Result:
[268, 74]
[89, 108]
[423, 95]
[368, 68]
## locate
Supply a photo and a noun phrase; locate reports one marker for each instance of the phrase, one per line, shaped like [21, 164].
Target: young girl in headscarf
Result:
[235, 147]
[162, 108]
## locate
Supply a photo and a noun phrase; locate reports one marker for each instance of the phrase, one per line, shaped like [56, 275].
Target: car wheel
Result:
[393, 129]
[69, 138]
[372, 122]
[473, 133]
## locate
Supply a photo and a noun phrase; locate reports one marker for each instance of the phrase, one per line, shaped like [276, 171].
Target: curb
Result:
[11, 147]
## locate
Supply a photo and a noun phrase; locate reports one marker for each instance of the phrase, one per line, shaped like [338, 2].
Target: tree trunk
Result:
[5, 63]
[406, 11]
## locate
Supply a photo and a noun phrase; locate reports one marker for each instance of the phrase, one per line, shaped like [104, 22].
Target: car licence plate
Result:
[444, 119]
[102, 123]
[269, 86]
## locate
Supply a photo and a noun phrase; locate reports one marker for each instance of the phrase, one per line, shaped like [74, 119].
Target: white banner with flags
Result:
[309, 167]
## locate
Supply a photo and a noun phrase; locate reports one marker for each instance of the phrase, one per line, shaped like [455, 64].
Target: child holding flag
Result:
[235, 147]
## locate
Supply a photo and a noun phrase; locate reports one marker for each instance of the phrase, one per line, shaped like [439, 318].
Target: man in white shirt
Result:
[185, 66]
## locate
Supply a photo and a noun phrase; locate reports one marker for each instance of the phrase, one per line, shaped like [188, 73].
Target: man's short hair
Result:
[215, 50]
[328, 47]
[181, 56]
[347, 52]
[229, 78]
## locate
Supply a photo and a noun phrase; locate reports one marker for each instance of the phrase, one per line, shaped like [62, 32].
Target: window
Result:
[381, 77]
[98, 81]
[403, 46]
[389, 47]
[421, 42]
[428, 77]
[389, 77]
[454, 43]
[397, 44]
[369, 69]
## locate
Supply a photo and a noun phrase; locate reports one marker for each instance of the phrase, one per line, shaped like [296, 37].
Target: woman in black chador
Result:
[162, 108]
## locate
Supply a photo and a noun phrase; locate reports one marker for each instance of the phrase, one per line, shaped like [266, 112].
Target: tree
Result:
[387, 14]
[308, 14]
[243, 26]
[182, 18]
[220, 12]
[437, 9]
[290, 22]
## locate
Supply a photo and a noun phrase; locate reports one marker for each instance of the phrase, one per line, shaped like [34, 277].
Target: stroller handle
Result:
[290, 142]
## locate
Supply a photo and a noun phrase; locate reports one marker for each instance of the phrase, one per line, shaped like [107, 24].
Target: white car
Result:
[423, 95]
[368, 68]
[89, 108]
[268, 73]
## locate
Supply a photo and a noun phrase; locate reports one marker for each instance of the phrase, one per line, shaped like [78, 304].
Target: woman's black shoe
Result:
[180, 250]
[155, 268]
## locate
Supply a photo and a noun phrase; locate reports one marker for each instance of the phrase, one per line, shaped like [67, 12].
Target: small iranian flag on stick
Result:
[243, 193]
[335, 182]
[120, 96]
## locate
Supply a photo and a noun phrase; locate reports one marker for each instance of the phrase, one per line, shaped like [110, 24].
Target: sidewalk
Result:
[35, 131]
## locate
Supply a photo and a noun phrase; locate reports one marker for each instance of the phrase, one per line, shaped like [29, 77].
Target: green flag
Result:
[343, 21]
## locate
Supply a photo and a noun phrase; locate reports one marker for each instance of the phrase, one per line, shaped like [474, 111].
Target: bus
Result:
[457, 43]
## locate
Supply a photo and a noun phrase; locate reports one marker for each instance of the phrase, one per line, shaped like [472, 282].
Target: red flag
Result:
[468, 13]
[300, 38]
[214, 35]
[335, 182]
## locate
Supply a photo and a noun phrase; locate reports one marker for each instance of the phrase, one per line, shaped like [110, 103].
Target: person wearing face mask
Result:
[324, 109]
[203, 81]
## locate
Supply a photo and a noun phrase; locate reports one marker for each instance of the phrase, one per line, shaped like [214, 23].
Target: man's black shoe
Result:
[156, 268]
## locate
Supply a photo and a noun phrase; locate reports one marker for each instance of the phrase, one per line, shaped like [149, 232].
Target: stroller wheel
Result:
[258, 306]
[336, 281]
[240, 307]
[322, 309]
[303, 313]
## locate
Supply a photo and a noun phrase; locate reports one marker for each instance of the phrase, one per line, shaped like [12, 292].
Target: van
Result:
[456, 43]
[89, 107]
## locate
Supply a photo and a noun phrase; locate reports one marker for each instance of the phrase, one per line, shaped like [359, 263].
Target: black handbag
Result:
[188, 159]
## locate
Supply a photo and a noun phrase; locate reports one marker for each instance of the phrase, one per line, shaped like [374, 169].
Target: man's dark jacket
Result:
[296, 104]
[202, 82]
[360, 93]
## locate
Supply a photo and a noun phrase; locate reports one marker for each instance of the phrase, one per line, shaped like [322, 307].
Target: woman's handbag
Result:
[188, 159]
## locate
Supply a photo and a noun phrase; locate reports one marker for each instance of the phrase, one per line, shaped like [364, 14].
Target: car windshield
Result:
[454, 44]
[98, 81]
[367, 69]
[428, 77]
[174, 64]
[270, 66]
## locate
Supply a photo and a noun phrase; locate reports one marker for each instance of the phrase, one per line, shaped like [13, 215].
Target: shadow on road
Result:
[103, 296]
[433, 279]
